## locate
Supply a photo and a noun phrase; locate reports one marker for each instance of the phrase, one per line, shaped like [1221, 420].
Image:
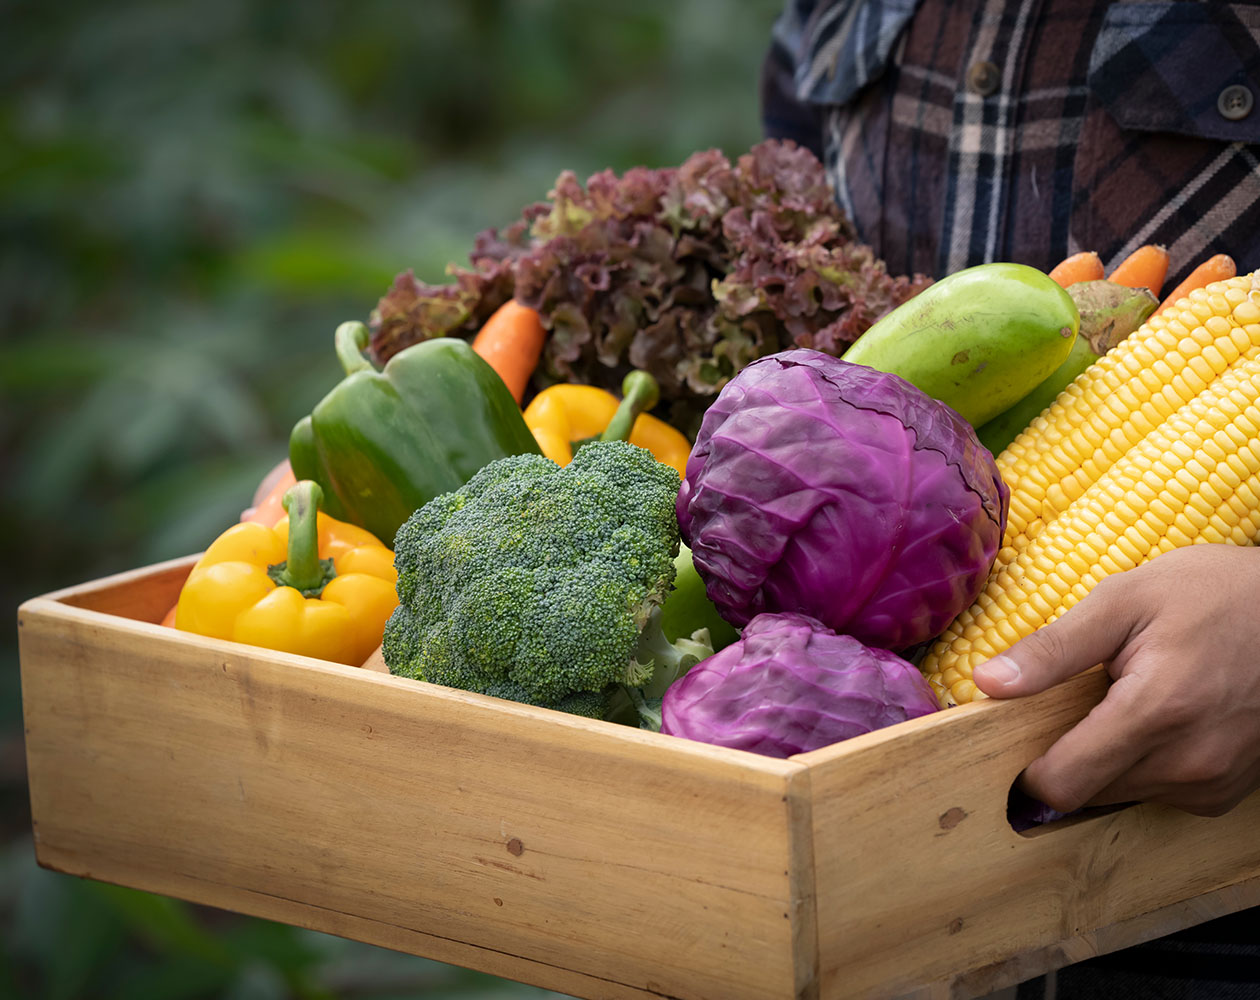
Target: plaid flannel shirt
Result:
[958, 133]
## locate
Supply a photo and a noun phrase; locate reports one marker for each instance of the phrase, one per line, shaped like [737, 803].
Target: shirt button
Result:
[1235, 102]
[983, 78]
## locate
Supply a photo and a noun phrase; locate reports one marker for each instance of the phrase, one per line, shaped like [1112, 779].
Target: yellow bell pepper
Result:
[562, 415]
[311, 585]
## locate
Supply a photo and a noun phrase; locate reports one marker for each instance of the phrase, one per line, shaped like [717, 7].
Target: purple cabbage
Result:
[790, 684]
[827, 488]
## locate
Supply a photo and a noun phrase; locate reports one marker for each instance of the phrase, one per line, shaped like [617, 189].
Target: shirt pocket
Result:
[842, 46]
[1184, 68]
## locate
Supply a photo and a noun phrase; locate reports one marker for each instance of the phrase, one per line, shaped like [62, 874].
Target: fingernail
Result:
[1001, 669]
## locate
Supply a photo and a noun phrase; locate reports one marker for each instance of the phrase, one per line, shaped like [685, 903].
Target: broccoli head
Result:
[543, 584]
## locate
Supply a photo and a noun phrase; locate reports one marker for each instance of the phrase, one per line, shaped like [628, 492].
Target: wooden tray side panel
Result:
[925, 889]
[557, 851]
[144, 595]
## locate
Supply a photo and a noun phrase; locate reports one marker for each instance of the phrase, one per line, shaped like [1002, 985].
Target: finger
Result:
[1090, 632]
[1216, 799]
[1092, 755]
[1200, 781]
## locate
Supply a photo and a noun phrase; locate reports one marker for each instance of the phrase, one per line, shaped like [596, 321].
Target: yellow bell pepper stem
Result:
[303, 570]
[566, 414]
[639, 393]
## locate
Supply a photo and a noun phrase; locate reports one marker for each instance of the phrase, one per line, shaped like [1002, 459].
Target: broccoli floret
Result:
[543, 584]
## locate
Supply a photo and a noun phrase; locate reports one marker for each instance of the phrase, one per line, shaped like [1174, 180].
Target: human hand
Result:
[1180, 723]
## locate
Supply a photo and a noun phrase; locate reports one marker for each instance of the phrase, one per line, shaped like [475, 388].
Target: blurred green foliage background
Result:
[192, 196]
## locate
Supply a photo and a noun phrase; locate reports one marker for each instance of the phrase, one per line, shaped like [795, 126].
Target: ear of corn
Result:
[1157, 448]
[1124, 395]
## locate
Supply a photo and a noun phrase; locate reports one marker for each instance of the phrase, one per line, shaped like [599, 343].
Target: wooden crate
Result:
[577, 855]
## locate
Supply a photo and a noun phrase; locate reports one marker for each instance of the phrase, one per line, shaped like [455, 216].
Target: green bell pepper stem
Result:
[639, 393]
[303, 570]
[350, 341]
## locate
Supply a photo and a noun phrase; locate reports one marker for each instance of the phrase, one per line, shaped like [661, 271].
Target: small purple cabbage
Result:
[831, 489]
[790, 684]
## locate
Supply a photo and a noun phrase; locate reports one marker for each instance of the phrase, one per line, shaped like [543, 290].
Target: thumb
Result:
[1092, 631]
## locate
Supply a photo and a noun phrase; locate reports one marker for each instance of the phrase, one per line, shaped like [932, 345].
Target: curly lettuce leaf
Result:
[689, 272]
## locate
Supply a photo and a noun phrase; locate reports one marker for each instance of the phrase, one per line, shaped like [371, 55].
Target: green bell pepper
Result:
[384, 442]
[687, 607]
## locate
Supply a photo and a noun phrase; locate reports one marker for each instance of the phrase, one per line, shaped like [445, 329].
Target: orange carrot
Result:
[1146, 267]
[1083, 266]
[1217, 268]
[268, 508]
[511, 341]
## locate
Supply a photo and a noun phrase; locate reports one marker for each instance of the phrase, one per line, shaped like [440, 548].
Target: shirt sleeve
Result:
[783, 115]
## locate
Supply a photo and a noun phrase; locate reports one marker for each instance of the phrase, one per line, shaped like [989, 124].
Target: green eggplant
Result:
[1109, 313]
[687, 607]
[978, 340]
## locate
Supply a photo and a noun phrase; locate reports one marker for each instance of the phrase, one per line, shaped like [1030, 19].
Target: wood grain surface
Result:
[912, 821]
[584, 857]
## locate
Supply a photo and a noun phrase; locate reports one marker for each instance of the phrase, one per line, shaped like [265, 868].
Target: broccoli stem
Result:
[657, 662]
[649, 711]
